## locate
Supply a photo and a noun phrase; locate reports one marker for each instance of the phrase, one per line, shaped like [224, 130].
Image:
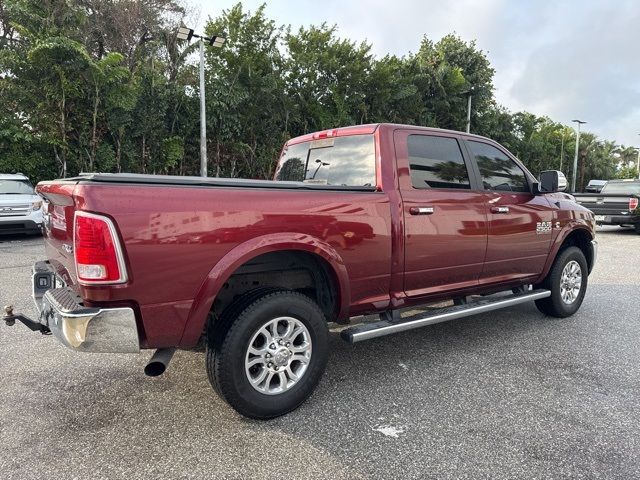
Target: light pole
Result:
[469, 95]
[575, 158]
[187, 34]
[638, 163]
[561, 151]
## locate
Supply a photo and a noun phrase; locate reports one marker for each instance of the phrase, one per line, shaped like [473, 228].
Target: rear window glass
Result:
[346, 161]
[8, 187]
[436, 162]
[629, 188]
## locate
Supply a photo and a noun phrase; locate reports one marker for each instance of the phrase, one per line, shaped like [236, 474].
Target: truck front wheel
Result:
[268, 352]
[567, 281]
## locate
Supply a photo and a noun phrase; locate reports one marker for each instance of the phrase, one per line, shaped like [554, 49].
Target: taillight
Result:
[633, 204]
[97, 251]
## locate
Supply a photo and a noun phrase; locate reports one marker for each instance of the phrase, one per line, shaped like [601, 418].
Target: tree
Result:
[449, 69]
[248, 114]
[129, 27]
[327, 76]
[105, 85]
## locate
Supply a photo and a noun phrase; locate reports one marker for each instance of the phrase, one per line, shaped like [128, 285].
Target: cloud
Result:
[564, 59]
[588, 69]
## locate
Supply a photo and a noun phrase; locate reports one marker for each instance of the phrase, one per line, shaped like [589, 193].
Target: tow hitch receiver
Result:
[10, 319]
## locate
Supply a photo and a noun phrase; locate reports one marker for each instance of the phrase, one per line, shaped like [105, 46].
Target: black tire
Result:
[636, 226]
[228, 341]
[554, 305]
[217, 328]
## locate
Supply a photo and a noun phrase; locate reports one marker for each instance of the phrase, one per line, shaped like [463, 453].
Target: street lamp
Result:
[320, 164]
[185, 33]
[469, 95]
[561, 150]
[638, 163]
[575, 159]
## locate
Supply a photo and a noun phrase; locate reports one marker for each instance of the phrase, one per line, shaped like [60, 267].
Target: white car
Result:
[20, 206]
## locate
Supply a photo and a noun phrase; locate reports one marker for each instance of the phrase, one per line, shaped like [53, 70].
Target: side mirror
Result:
[552, 181]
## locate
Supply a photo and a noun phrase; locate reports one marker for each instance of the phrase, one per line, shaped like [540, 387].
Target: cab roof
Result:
[370, 128]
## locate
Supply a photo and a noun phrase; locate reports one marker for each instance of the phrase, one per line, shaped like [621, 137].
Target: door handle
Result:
[421, 210]
[499, 209]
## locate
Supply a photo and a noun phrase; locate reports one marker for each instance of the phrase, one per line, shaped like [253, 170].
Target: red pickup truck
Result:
[362, 220]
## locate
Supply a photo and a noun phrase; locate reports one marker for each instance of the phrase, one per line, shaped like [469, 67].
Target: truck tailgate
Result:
[605, 204]
[58, 210]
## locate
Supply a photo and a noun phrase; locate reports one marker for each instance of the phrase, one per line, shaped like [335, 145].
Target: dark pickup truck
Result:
[616, 204]
[363, 220]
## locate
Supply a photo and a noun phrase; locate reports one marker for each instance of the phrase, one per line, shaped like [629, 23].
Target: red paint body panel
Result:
[182, 242]
[446, 250]
[514, 249]
[179, 250]
[335, 132]
[570, 217]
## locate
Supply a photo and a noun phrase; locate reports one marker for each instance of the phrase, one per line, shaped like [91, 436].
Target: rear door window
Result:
[436, 162]
[344, 161]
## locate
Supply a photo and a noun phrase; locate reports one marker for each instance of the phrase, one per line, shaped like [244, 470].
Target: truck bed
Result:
[175, 230]
[136, 178]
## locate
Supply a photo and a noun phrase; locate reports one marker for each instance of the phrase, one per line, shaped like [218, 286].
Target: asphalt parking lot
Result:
[509, 394]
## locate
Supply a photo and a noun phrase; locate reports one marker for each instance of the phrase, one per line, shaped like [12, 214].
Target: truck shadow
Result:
[114, 389]
[439, 383]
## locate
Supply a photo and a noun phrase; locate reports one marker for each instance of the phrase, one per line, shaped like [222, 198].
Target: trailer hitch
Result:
[10, 319]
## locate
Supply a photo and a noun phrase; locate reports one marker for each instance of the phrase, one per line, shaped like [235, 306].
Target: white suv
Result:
[20, 206]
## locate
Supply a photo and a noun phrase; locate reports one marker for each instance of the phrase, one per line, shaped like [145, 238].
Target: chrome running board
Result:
[393, 324]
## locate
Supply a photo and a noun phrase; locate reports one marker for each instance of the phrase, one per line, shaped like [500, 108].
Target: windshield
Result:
[346, 161]
[628, 188]
[16, 187]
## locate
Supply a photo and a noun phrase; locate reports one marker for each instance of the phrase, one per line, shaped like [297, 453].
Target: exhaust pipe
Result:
[159, 362]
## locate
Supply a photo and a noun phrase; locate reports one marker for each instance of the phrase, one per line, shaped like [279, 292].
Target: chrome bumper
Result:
[100, 330]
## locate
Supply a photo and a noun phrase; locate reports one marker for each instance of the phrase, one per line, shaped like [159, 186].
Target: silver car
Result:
[20, 206]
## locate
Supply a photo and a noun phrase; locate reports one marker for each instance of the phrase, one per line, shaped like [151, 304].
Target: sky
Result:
[563, 59]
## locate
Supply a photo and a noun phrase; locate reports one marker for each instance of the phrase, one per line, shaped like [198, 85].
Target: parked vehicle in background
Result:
[595, 186]
[616, 204]
[20, 206]
[360, 220]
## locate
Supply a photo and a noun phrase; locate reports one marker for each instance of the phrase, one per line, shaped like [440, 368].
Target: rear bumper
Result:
[617, 219]
[100, 330]
[10, 227]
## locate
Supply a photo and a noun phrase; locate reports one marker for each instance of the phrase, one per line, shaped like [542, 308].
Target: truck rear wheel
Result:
[567, 281]
[268, 352]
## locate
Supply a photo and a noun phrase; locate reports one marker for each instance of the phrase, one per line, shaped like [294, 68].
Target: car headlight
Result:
[35, 206]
